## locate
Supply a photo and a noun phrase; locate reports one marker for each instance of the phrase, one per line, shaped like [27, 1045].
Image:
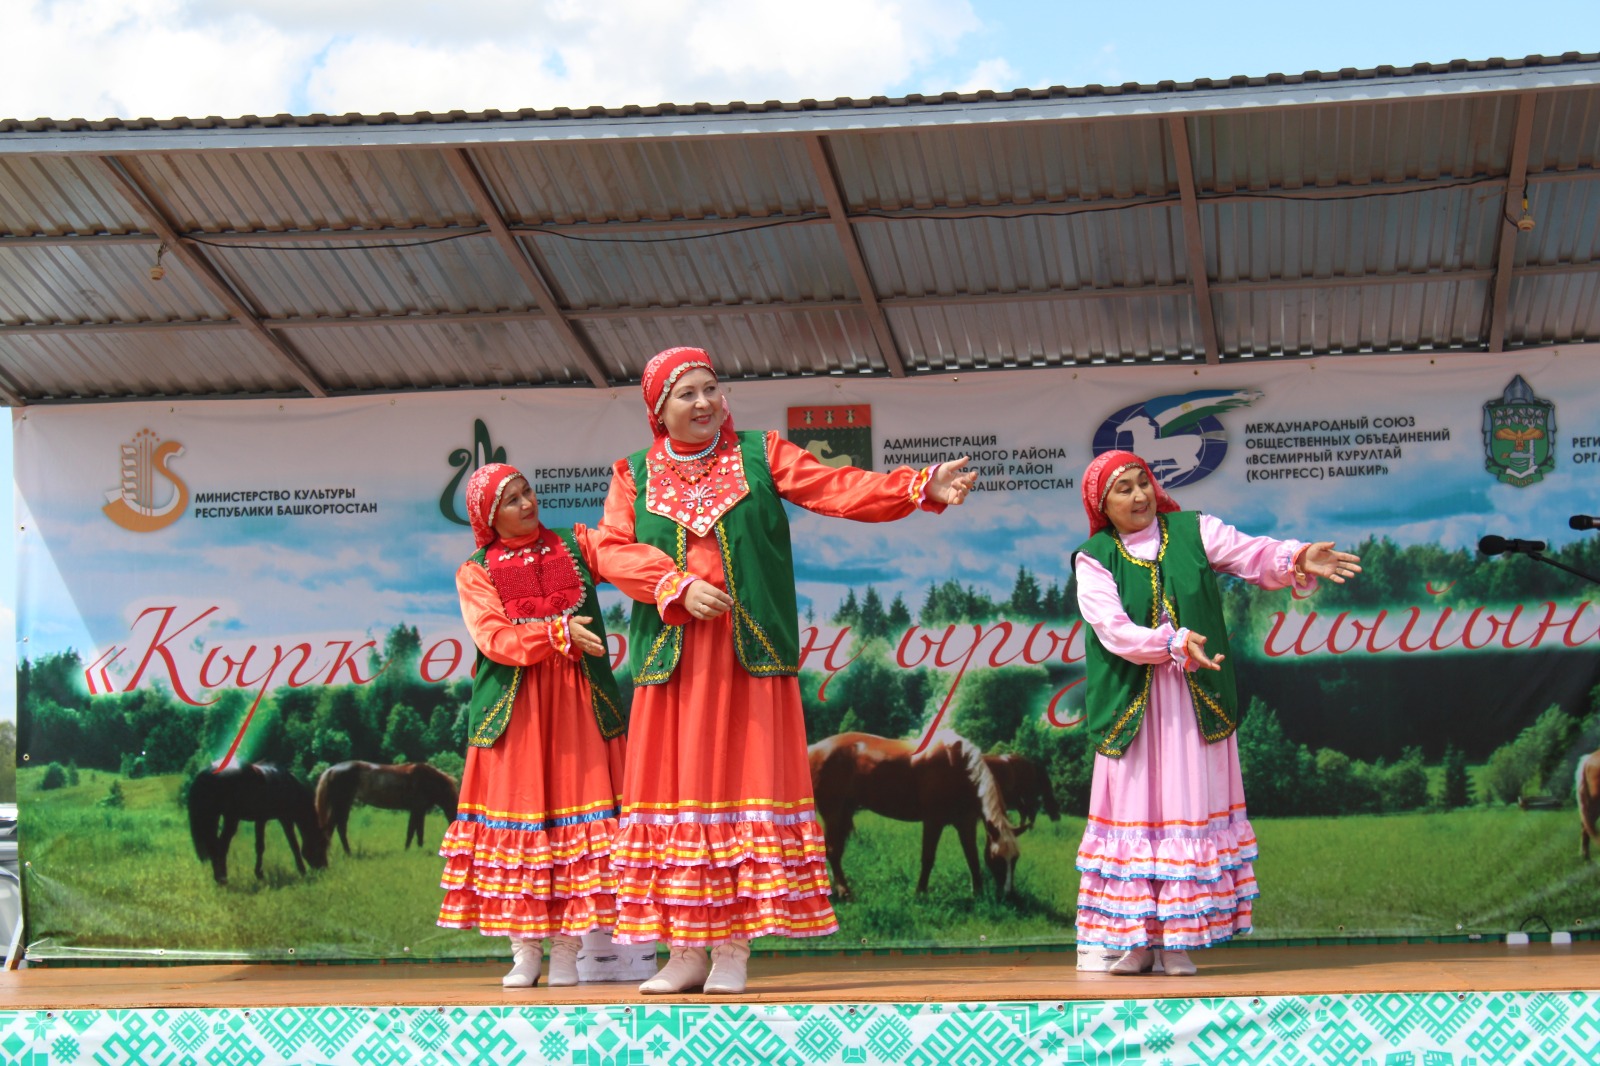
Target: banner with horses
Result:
[265, 587]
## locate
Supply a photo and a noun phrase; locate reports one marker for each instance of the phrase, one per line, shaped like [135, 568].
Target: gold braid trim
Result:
[493, 724]
[742, 615]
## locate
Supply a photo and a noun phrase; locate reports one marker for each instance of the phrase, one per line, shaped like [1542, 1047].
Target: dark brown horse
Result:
[414, 787]
[1025, 786]
[1588, 801]
[254, 793]
[946, 784]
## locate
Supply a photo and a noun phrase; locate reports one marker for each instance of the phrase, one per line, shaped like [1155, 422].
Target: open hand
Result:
[1323, 561]
[950, 483]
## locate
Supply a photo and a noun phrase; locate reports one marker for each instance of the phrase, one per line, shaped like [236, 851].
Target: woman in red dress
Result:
[719, 839]
[529, 854]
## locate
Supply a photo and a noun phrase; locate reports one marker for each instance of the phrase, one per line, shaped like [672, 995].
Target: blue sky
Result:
[130, 58]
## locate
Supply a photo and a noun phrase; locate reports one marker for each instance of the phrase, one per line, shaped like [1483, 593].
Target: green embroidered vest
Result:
[495, 685]
[757, 563]
[1119, 690]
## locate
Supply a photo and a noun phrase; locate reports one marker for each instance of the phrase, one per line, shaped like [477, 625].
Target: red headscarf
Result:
[484, 489]
[535, 576]
[1105, 468]
[662, 372]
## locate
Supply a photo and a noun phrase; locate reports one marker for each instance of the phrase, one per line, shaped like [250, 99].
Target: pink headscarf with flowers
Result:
[1105, 468]
[484, 489]
[662, 372]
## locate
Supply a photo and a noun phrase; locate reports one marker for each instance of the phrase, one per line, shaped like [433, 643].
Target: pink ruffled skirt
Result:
[1166, 856]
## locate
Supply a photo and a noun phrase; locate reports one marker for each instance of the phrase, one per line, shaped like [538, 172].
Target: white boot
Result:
[1177, 964]
[685, 971]
[527, 954]
[564, 960]
[729, 961]
[1136, 961]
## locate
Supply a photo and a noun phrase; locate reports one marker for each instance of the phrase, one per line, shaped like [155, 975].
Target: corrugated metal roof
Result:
[1343, 212]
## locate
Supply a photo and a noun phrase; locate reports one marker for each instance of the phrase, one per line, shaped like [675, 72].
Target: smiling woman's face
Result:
[693, 412]
[1131, 501]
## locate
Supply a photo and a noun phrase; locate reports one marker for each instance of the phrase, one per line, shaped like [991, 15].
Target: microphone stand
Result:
[1562, 566]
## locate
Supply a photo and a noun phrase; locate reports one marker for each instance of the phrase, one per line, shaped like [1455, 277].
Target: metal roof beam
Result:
[1193, 240]
[822, 166]
[1338, 281]
[1516, 188]
[143, 205]
[522, 260]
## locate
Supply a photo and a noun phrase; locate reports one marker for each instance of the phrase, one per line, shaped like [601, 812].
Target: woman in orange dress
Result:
[529, 853]
[719, 840]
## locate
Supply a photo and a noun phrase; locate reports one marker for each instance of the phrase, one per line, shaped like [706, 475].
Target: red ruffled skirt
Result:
[529, 853]
[719, 837]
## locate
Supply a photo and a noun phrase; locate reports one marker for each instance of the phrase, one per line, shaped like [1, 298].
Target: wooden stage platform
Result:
[907, 978]
[1319, 1006]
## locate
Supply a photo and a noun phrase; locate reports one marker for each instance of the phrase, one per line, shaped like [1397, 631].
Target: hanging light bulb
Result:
[158, 271]
[1525, 223]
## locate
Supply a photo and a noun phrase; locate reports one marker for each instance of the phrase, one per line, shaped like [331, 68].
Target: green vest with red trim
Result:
[495, 685]
[757, 564]
[1119, 690]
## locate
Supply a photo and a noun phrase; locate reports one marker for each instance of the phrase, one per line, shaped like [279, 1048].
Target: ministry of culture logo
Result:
[839, 436]
[151, 496]
[1180, 436]
[1517, 431]
[466, 460]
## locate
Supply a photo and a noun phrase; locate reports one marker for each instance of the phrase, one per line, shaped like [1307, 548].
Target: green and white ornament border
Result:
[1419, 1029]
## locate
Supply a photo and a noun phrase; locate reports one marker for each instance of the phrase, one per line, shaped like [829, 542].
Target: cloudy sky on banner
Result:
[161, 58]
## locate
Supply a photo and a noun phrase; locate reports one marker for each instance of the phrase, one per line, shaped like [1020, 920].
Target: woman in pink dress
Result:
[529, 854]
[719, 840]
[1166, 855]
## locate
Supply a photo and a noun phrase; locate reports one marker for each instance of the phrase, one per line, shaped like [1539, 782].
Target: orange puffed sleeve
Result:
[846, 492]
[519, 644]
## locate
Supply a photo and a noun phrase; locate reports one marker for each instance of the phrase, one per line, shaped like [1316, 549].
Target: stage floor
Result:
[1002, 977]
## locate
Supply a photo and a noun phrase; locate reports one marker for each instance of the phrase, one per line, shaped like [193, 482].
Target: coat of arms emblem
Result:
[1518, 429]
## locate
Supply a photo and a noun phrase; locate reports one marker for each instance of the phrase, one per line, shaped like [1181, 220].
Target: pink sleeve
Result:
[844, 491]
[1259, 560]
[1101, 607]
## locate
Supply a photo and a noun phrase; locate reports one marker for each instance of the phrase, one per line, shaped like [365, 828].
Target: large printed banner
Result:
[271, 582]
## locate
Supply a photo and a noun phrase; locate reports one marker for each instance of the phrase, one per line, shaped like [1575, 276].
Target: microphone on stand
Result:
[1584, 521]
[1492, 545]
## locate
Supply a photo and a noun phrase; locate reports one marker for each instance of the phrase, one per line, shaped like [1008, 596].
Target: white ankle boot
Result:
[527, 954]
[1177, 964]
[564, 961]
[729, 961]
[685, 971]
[1136, 961]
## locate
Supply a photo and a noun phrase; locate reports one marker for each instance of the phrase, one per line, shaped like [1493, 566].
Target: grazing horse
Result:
[946, 784]
[1025, 786]
[1588, 785]
[414, 787]
[256, 793]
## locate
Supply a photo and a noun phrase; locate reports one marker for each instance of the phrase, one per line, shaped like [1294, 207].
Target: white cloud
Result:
[162, 58]
[994, 74]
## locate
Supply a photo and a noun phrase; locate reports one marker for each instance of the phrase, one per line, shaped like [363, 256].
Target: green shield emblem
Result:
[1518, 429]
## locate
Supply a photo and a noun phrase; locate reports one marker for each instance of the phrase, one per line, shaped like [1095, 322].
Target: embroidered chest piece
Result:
[537, 582]
[697, 489]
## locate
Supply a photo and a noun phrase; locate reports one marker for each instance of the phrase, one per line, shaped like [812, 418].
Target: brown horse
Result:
[1588, 801]
[256, 793]
[414, 787]
[1025, 786]
[946, 784]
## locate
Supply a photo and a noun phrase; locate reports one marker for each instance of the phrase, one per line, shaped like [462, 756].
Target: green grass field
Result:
[127, 882]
